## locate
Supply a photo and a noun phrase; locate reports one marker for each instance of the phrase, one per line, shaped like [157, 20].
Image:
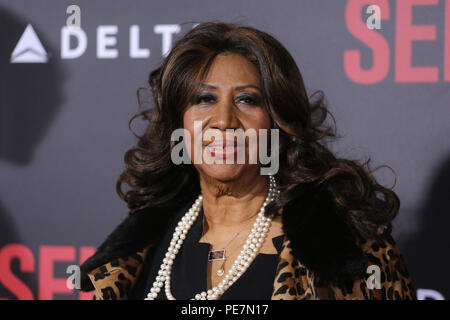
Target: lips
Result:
[222, 144]
[223, 148]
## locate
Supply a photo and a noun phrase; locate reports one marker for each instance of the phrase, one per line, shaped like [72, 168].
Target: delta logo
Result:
[74, 42]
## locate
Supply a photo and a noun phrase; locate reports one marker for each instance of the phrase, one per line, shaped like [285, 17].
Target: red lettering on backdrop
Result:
[447, 41]
[375, 41]
[48, 255]
[7, 278]
[86, 252]
[48, 285]
[406, 33]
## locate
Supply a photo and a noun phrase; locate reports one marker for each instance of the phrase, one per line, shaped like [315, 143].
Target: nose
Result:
[224, 116]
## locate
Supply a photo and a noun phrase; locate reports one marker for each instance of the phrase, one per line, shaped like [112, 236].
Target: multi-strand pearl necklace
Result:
[240, 265]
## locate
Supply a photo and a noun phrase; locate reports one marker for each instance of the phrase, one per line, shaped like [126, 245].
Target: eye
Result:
[204, 98]
[248, 99]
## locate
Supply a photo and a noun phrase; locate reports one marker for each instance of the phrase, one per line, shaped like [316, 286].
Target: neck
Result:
[228, 206]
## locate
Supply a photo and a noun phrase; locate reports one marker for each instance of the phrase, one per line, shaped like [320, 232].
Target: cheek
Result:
[189, 119]
[261, 120]
[188, 125]
[188, 122]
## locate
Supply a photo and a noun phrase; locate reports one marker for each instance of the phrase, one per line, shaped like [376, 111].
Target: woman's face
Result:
[229, 98]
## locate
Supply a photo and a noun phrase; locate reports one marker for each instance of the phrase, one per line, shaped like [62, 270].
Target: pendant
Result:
[216, 255]
[221, 271]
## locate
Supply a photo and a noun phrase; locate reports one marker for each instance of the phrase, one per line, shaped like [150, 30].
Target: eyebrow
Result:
[204, 85]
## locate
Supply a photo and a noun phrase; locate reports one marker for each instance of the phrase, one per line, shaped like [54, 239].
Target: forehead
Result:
[232, 68]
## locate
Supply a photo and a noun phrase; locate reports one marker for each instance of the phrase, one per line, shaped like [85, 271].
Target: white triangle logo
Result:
[29, 49]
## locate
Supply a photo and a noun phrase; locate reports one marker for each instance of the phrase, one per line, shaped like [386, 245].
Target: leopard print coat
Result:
[293, 280]
[320, 257]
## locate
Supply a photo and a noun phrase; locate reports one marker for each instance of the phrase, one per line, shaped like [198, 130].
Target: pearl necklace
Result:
[240, 265]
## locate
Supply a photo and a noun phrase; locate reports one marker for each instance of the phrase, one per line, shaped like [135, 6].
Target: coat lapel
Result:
[293, 281]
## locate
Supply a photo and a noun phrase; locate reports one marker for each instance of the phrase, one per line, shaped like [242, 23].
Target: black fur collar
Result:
[320, 235]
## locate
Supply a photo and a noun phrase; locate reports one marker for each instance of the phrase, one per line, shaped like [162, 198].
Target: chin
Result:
[223, 172]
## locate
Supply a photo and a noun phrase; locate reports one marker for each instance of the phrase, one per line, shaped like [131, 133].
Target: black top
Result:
[189, 271]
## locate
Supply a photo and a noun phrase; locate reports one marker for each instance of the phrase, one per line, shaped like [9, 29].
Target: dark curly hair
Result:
[304, 159]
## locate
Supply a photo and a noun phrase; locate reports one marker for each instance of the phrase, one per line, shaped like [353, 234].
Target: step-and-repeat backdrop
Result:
[66, 95]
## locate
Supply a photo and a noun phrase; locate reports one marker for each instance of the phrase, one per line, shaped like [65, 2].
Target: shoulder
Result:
[140, 230]
[322, 238]
[320, 235]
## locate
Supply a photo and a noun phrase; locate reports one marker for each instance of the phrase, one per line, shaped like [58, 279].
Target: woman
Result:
[316, 227]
